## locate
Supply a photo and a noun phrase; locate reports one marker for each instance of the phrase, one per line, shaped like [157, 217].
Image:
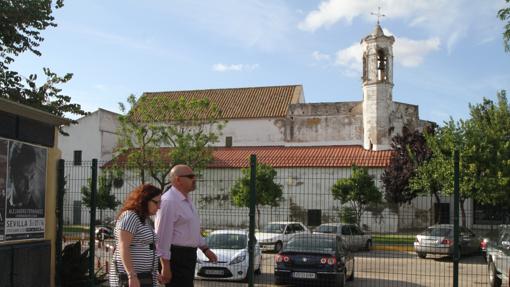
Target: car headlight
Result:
[238, 259]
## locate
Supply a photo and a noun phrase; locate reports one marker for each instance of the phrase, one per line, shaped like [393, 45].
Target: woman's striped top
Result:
[141, 253]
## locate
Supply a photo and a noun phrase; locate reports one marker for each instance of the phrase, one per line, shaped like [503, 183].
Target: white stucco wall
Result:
[254, 132]
[95, 136]
[84, 136]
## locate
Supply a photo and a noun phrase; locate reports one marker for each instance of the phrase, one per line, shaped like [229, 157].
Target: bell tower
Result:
[377, 88]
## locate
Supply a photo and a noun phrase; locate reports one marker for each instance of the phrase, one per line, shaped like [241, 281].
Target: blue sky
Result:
[448, 53]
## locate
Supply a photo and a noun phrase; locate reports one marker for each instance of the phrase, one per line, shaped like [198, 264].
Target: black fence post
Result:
[253, 197]
[456, 250]
[92, 225]
[59, 212]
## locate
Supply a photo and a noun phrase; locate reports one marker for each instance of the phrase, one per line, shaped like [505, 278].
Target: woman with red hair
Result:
[134, 261]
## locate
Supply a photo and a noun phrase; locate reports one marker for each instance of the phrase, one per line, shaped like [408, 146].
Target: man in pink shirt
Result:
[178, 230]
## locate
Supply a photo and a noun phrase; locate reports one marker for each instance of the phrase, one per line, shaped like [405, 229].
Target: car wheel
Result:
[368, 245]
[351, 277]
[278, 246]
[494, 280]
[421, 254]
[278, 281]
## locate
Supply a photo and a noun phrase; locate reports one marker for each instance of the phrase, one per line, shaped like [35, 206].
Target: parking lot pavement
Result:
[391, 269]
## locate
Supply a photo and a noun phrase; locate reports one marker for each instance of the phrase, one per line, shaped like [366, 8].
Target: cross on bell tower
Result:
[378, 14]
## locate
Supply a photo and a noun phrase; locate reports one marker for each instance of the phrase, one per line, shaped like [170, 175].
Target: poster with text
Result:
[26, 189]
[3, 185]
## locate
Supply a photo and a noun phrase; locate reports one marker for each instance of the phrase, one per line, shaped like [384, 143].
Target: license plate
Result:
[214, 272]
[304, 275]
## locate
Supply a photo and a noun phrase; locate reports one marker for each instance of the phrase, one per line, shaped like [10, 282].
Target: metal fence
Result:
[381, 243]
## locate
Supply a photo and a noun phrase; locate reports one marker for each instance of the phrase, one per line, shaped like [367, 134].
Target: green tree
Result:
[409, 151]
[504, 15]
[185, 135]
[484, 148]
[104, 197]
[437, 174]
[21, 24]
[359, 191]
[268, 193]
[487, 152]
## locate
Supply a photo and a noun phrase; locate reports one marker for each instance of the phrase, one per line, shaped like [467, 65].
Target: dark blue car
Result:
[314, 258]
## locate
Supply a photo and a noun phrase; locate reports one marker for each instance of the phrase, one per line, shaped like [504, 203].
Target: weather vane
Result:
[378, 14]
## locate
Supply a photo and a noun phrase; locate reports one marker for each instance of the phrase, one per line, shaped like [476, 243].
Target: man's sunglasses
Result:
[190, 176]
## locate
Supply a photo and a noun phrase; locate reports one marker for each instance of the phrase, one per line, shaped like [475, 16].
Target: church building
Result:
[310, 145]
[279, 115]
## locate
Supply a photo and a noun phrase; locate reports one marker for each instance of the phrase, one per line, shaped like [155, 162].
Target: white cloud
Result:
[350, 59]
[410, 53]
[332, 11]
[318, 56]
[450, 20]
[219, 67]
[406, 52]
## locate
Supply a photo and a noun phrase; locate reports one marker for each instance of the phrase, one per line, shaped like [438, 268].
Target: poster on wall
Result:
[25, 194]
[3, 185]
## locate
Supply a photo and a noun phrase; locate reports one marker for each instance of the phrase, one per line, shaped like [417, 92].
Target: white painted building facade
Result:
[94, 136]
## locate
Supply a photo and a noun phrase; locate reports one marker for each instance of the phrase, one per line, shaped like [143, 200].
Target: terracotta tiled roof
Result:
[316, 156]
[238, 103]
[280, 156]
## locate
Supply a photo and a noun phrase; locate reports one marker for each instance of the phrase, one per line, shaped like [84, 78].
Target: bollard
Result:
[106, 266]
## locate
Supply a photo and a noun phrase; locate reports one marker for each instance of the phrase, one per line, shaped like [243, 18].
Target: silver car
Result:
[231, 248]
[438, 239]
[353, 236]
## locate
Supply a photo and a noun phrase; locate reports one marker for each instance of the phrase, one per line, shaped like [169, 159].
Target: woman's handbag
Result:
[145, 278]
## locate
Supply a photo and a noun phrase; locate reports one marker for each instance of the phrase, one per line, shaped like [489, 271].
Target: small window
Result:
[77, 157]
[228, 141]
[298, 228]
[346, 230]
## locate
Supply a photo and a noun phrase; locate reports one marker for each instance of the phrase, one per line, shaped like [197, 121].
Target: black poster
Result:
[26, 188]
[3, 185]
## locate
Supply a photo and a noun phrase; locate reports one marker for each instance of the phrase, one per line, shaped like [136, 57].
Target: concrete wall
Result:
[403, 115]
[324, 124]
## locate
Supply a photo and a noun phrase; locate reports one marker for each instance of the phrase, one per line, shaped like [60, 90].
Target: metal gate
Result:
[381, 241]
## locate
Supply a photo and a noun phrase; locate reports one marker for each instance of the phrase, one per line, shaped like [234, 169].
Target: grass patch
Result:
[393, 239]
[76, 228]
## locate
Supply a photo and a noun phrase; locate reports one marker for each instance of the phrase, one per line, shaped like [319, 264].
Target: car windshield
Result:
[311, 244]
[227, 241]
[437, 232]
[274, 228]
[326, 229]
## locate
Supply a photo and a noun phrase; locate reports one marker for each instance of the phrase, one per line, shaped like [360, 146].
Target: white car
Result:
[275, 234]
[354, 238]
[231, 247]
